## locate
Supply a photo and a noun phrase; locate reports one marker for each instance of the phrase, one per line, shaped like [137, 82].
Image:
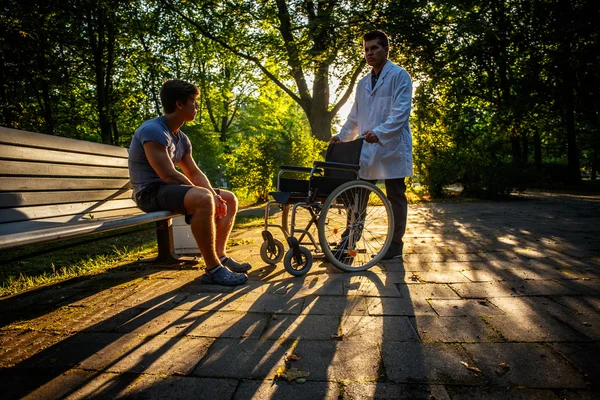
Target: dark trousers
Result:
[396, 194]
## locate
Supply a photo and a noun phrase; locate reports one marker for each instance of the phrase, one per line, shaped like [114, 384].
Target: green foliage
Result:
[275, 134]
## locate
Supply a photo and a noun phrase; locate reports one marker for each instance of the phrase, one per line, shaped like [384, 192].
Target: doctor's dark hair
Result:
[377, 35]
[174, 90]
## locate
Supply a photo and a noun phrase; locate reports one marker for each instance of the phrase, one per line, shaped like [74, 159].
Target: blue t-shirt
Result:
[154, 130]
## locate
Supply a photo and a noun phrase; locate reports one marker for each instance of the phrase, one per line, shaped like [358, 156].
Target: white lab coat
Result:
[384, 110]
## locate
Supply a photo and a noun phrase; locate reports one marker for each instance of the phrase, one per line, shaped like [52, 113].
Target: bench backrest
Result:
[56, 180]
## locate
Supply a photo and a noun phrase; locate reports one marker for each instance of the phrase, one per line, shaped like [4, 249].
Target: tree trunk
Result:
[525, 155]
[515, 144]
[537, 149]
[595, 159]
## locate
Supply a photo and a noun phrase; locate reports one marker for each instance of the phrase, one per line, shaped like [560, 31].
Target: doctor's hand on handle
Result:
[370, 137]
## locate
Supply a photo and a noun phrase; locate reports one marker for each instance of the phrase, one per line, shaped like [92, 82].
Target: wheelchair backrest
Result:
[346, 153]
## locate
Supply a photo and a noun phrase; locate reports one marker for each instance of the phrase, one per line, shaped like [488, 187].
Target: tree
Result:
[298, 45]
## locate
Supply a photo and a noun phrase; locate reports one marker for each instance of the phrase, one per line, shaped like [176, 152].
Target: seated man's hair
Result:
[380, 36]
[176, 89]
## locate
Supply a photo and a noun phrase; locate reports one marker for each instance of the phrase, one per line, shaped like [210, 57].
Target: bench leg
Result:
[166, 249]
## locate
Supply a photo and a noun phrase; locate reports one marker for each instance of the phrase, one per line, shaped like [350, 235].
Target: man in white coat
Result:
[380, 114]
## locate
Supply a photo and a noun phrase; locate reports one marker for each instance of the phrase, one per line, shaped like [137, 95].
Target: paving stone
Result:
[439, 276]
[453, 308]
[287, 390]
[586, 287]
[365, 286]
[398, 306]
[335, 305]
[403, 266]
[307, 327]
[181, 387]
[211, 302]
[431, 363]
[159, 322]
[585, 357]
[311, 285]
[529, 365]
[585, 324]
[526, 306]
[378, 329]
[91, 351]
[439, 257]
[108, 320]
[72, 384]
[500, 393]
[19, 346]
[454, 329]
[225, 324]
[426, 291]
[242, 359]
[539, 288]
[393, 391]
[270, 303]
[155, 293]
[162, 355]
[335, 360]
[534, 328]
[482, 290]
[483, 275]
[585, 305]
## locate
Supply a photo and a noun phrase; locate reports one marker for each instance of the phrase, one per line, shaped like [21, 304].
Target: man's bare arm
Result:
[193, 173]
[159, 159]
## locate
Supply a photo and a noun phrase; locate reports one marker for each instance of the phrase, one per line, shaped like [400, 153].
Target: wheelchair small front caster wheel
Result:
[272, 254]
[298, 266]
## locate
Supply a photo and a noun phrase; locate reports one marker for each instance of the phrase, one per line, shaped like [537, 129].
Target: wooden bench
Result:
[54, 188]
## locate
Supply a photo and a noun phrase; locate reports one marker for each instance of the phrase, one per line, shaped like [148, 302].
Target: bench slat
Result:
[12, 184]
[79, 229]
[38, 212]
[42, 141]
[27, 199]
[63, 220]
[42, 169]
[62, 157]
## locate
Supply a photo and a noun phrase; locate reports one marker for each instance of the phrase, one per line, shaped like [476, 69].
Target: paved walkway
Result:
[495, 300]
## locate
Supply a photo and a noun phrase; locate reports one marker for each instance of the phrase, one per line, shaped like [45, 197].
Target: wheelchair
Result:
[353, 218]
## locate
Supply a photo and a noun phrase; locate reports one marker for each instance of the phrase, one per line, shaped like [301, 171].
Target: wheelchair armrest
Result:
[335, 165]
[291, 168]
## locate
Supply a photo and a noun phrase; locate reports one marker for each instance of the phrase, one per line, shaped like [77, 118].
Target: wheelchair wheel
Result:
[298, 267]
[272, 255]
[355, 226]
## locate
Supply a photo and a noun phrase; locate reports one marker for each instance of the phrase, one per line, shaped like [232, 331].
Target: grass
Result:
[39, 265]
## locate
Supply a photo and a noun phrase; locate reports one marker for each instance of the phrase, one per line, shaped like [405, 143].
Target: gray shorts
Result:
[163, 197]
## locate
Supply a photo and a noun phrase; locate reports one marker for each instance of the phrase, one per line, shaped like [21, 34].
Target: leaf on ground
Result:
[294, 373]
[502, 369]
[293, 357]
[337, 337]
[470, 368]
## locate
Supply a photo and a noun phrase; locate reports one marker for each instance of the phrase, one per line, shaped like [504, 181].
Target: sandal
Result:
[235, 266]
[223, 276]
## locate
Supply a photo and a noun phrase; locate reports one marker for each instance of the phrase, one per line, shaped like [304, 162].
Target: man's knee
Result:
[199, 201]
[231, 199]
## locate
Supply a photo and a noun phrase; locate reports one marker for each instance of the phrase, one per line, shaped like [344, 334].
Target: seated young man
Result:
[156, 148]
